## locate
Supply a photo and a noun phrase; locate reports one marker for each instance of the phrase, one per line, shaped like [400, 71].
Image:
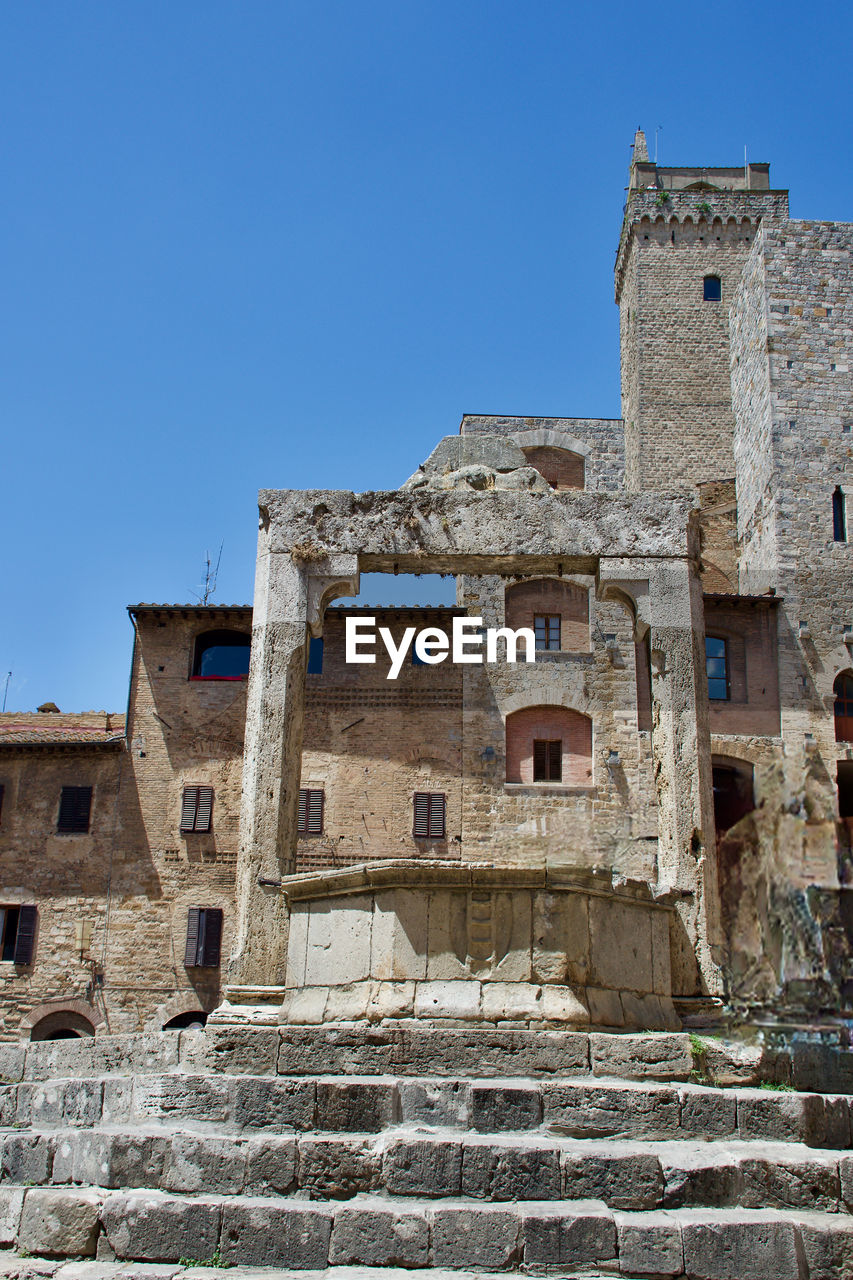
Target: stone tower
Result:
[686, 234]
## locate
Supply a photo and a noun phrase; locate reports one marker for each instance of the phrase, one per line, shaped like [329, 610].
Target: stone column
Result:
[666, 598]
[290, 599]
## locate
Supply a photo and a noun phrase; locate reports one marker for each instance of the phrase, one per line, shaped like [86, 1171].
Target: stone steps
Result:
[628, 1175]
[573, 1107]
[14, 1267]
[375, 1231]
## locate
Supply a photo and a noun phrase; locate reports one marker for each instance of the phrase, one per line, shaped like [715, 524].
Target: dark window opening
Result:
[17, 933]
[733, 794]
[192, 1021]
[311, 804]
[196, 808]
[712, 289]
[221, 655]
[429, 814]
[2, 789]
[717, 668]
[75, 806]
[204, 937]
[839, 516]
[315, 656]
[546, 628]
[547, 760]
[843, 689]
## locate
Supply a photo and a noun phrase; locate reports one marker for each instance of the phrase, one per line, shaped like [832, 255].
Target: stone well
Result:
[457, 944]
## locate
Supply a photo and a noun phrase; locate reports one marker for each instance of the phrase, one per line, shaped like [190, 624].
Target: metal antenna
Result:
[6, 690]
[210, 576]
[658, 130]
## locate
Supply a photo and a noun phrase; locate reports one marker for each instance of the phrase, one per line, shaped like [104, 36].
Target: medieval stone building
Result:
[643, 827]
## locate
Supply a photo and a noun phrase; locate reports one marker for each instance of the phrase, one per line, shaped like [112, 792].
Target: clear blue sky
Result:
[288, 244]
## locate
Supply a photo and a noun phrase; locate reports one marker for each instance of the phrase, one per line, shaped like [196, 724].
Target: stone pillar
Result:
[290, 600]
[666, 598]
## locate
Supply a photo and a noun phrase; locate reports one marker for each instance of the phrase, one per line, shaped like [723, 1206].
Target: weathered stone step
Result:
[575, 1107]
[625, 1175]
[14, 1267]
[704, 1244]
[403, 1050]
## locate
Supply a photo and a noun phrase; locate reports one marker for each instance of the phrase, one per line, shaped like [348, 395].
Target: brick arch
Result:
[61, 1015]
[187, 1003]
[559, 439]
[548, 723]
[560, 467]
[551, 597]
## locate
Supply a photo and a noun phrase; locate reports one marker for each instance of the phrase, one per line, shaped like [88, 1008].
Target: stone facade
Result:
[361, 848]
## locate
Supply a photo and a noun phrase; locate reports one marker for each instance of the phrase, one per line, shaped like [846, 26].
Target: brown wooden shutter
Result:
[421, 819]
[315, 813]
[212, 937]
[189, 805]
[436, 814]
[75, 804]
[540, 760]
[193, 926]
[555, 761]
[303, 811]
[204, 808]
[26, 936]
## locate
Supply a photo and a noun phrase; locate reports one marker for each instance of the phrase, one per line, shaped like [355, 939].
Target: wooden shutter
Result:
[75, 804]
[303, 811]
[436, 814]
[540, 760]
[211, 937]
[315, 813]
[189, 805]
[1, 799]
[421, 819]
[193, 926]
[26, 936]
[204, 808]
[555, 760]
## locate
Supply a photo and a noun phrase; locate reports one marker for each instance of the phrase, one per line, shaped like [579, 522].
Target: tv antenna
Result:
[6, 690]
[211, 574]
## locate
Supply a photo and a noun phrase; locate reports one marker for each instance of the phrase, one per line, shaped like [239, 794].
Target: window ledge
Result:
[548, 788]
[209, 679]
[563, 655]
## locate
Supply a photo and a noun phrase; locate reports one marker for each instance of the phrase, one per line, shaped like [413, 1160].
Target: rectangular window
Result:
[17, 933]
[311, 805]
[717, 667]
[75, 806]
[204, 937]
[196, 808]
[547, 759]
[429, 813]
[546, 628]
[315, 656]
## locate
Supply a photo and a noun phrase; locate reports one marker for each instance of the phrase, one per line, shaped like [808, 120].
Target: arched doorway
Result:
[63, 1024]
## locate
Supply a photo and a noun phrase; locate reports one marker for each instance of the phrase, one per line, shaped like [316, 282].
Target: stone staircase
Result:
[336, 1148]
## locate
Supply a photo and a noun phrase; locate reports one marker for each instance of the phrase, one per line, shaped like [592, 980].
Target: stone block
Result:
[391, 1000]
[605, 1007]
[739, 1242]
[561, 1004]
[81, 1103]
[203, 1162]
[500, 1108]
[8, 1104]
[230, 1050]
[601, 1111]
[46, 1103]
[560, 938]
[59, 1223]
[336, 1168]
[481, 1237]
[151, 1226]
[27, 1157]
[785, 1184]
[707, 1113]
[620, 945]
[422, 1167]
[511, 1000]
[117, 1105]
[102, 1159]
[448, 999]
[305, 1007]
[649, 1012]
[510, 1172]
[444, 1103]
[698, 1178]
[374, 1234]
[356, 1106]
[637, 1057]
[12, 1057]
[181, 1098]
[649, 1245]
[779, 1117]
[11, 1203]
[398, 944]
[827, 1245]
[349, 1003]
[580, 1235]
[338, 944]
[272, 1103]
[297, 944]
[511, 933]
[140, 1053]
[258, 1233]
[270, 1165]
[447, 950]
[628, 1180]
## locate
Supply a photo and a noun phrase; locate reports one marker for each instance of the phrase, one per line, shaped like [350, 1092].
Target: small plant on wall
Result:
[704, 207]
[662, 197]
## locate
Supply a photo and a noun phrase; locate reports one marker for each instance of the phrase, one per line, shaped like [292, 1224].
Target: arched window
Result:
[733, 791]
[549, 744]
[560, 467]
[712, 289]
[839, 516]
[556, 612]
[193, 1020]
[64, 1024]
[221, 655]
[843, 689]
